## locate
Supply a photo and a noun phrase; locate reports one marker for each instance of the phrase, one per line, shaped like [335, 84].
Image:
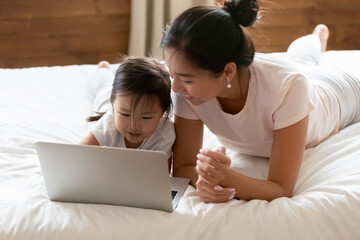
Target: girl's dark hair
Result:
[212, 36]
[141, 77]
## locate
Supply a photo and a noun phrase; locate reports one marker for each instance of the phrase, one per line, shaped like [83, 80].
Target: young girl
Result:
[140, 105]
[255, 104]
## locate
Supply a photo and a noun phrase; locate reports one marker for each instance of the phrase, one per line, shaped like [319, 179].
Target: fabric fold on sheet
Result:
[51, 104]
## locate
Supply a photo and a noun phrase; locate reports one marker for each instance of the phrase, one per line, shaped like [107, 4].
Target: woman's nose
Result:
[176, 85]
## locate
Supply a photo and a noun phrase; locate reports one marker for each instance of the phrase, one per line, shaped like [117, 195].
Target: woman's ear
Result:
[230, 70]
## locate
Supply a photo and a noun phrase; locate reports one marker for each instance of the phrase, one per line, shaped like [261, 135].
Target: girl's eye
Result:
[146, 118]
[125, 115]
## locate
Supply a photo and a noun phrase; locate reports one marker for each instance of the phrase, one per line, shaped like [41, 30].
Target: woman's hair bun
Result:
[243, 12]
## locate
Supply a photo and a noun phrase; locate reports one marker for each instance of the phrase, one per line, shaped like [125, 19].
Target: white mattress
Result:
[51, 104]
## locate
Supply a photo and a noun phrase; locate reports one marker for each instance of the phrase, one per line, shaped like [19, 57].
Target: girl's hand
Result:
[213, 166]
[213, 194]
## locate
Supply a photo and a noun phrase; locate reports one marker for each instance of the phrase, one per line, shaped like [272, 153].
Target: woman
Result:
[257, 105]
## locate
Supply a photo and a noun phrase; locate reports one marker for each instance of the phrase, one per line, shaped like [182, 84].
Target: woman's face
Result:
[194, 84]
[138, 122]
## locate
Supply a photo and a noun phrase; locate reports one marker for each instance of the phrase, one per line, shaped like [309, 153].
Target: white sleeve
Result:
[104, 130]
[182, 107]
[296, 105]
[167, 137]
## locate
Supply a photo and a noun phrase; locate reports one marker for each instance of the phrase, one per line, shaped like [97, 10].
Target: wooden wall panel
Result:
[25, 9]
[285, 20]
[62, 32]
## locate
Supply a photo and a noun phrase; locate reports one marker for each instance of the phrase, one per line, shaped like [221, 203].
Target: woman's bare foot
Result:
[322, 32]
[104, 64]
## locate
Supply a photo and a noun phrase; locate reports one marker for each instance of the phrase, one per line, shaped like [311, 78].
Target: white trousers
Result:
[344, 84]
[101, 84]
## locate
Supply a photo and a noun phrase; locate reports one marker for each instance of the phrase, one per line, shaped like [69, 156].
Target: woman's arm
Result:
[188, 142]
[285, 161]
[90, 139]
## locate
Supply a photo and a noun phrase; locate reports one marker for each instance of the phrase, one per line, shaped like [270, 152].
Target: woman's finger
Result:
[213, 174]
[208, 193]
[219, 156]
[210, 161]
[208, 169]
[206, 176]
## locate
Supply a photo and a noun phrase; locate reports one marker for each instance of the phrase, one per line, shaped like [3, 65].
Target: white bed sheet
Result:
[51, 104]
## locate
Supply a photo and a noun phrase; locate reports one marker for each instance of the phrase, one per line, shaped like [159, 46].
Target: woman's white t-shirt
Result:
[106, 134]
[278, 96]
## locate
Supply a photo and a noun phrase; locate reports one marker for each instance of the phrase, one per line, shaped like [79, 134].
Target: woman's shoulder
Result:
[278, 61]
[273, 71]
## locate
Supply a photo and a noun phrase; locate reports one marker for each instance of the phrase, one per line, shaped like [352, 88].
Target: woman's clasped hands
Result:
[213, 167]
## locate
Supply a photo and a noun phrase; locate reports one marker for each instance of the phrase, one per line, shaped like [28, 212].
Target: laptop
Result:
[108, 175]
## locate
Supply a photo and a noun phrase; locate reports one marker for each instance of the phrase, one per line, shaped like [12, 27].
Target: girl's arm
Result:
[90, 139]
[285, 161]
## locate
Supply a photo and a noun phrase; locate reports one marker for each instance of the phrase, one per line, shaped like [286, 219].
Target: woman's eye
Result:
[187, 82]
[146, 118]
[125, 115]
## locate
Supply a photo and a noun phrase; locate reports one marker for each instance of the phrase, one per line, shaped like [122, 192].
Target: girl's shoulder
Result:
[163, 138]
[106, 119]
[165, 129]
[166, 124]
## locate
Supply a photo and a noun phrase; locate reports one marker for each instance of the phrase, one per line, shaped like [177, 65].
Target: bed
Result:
[51, 104]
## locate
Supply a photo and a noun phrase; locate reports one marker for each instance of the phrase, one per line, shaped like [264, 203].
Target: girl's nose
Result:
[134, 123]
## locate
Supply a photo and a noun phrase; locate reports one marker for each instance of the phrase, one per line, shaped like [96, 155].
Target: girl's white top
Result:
[106, 134]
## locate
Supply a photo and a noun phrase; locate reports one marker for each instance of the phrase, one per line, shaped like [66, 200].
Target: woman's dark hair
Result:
[141, 77]
[212, 36]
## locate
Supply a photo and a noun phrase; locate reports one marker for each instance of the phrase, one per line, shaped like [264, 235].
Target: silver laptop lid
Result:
[93, 174]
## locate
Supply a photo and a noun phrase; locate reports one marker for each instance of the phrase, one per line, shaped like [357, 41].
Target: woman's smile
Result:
[187, 97]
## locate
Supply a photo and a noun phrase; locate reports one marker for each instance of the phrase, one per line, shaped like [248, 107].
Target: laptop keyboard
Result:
[173, 194]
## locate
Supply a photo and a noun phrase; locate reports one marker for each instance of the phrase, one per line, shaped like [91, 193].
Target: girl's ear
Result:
[230, 70]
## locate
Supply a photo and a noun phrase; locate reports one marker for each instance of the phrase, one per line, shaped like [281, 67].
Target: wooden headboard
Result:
[282, 21]
[286, 20]
[63, 32]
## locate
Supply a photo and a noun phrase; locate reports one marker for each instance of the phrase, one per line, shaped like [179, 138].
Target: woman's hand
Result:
[213, 194]
[213, 166]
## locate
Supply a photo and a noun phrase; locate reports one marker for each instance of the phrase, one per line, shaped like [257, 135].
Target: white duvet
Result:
[51, 104]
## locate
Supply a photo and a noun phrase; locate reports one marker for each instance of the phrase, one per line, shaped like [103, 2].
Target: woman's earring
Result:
[228, 81]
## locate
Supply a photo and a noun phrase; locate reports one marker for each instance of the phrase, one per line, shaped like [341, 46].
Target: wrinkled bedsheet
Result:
[51, 104]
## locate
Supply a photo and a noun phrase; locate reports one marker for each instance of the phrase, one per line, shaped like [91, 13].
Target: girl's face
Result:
[194, 84]
[138, 123]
